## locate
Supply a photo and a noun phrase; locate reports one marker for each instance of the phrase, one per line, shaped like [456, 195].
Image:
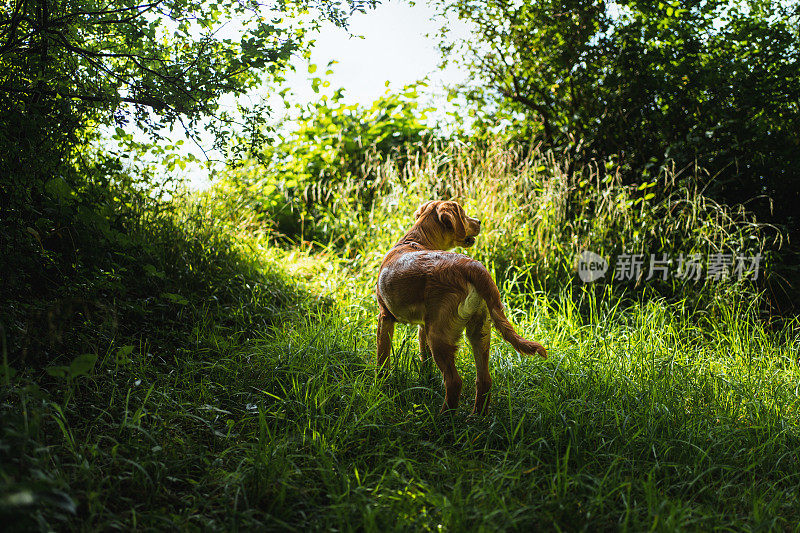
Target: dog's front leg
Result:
[385, 333]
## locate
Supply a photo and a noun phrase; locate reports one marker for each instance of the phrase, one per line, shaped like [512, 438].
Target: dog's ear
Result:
[446, 217]
[422, 209]
[451, 217]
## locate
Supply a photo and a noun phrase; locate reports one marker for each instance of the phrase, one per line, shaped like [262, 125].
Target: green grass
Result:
[234, 388]
[643, 422]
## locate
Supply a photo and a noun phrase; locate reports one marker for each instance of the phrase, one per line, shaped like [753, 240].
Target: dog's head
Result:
[446, 224]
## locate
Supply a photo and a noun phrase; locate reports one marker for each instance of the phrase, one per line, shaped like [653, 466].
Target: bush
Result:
[290, 184]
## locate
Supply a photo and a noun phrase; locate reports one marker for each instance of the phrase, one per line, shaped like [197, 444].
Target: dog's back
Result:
[443, 292]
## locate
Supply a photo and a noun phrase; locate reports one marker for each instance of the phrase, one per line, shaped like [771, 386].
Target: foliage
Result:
[167, 58]
[163, 285]
[713, 83]
[69, 68]
[333, 147]
[164, 365]
[71, 71]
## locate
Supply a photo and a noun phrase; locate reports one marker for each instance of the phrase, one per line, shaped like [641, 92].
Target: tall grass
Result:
[536, 218]
[237, 388]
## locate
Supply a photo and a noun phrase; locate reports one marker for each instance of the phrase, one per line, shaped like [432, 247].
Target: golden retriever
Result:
[444, 293]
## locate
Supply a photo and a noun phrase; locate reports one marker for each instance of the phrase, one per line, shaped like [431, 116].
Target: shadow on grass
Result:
[153, 275]
[119, 343]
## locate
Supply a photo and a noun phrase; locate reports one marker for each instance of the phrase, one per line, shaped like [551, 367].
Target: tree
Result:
[716, 82]
[67, 66]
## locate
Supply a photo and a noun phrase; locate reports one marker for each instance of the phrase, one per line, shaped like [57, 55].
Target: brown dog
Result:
[444, 292]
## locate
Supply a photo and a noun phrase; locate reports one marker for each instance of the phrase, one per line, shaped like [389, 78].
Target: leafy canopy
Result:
[70, 66]
[167, 58]
[715, 82]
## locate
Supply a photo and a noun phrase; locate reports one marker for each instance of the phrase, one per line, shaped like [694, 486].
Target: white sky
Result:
[394, 47]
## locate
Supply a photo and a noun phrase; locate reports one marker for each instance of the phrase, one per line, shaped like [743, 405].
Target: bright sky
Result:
[394, 47]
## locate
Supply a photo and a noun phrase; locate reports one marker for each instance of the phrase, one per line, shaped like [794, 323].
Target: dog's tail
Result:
[487, 289]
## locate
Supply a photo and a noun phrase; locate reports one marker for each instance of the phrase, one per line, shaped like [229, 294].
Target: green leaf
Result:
[59, 499]
[151, 270]
[58, 371]
[26, 497]
[82, 365]
[125, 351]
[175, 298]
[58, 189]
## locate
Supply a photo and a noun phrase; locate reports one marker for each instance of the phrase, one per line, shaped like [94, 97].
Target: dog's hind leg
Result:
[479, 334]
[424, 349]
[444, 354]
[385, 333]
